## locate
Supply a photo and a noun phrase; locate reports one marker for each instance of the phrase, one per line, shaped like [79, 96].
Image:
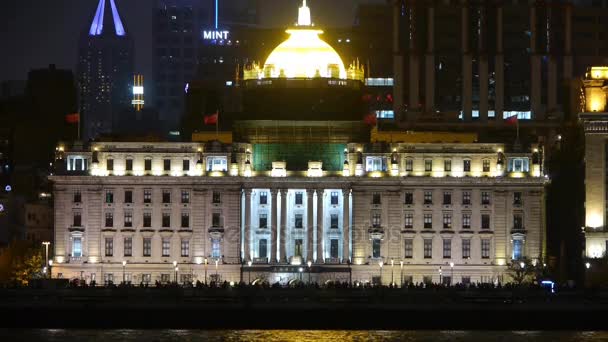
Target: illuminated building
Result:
[282, 192]
[105, 70]
[138, 92]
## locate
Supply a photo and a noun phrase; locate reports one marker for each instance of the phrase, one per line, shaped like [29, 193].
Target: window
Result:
[427, 280]
[428, 220]
[447, 198]
[485, 221]
[109, 196]
[109, 219]
[215, 249]
[263, 248]
[517, 198]
[518, 221]
[77, 163]
[129, 165]
[486, 165]
[128, 246]
[166, 247]
[216, 197]
[148, 165]
[409, 164]
[518, 247]
[466, 165]
[167, 165]
[428, 165]
[518, 165]
[334, 247]
[185, 165]
[409, 248]
[298, 247]
[334, 221]
[447, 165]
[216, 220]
[108, 278]
[485, 248]
[77, 197]
[466, 221]
[166, 220]
[447, 220]
[334, 198]
[147, 219]
[109, 244]
[146, 278]
[409, 220]
[428, 197]
[147, 247]
[376, 244]
[147, 196]
[299, 198]
[128, 219]
[77, 246]
[77, 222]
[466, 198]
[217, 164]
[466, 280]
[466, 248]
[185, 196]
[373, 164]
[185, 248]
[165, 278]
[110, 164]
[409, 198]
[447, 248]
[298, 221]
[428, 248]
[185, 220]
[376, 198]
[128, 196]
[263, 198]
[263, 220]
[376, 219]
[166, 196]
[485, 198]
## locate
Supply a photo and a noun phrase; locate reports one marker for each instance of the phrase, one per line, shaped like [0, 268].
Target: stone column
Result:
[346, 223]
[320, 228]
[310, 225]
[247, 225]
[283, 234]
[273, 225]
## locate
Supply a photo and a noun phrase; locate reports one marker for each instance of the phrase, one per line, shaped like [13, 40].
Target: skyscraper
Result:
[105, 70]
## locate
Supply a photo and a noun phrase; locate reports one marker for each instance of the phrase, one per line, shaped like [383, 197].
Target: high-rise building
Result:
[105, 70]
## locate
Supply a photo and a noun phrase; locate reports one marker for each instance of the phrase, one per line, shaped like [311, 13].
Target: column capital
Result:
[274, 191]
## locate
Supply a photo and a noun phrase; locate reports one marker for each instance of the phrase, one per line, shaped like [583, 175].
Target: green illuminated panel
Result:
[297, 156]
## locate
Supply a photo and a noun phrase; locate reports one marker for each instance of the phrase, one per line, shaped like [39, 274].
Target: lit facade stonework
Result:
[204, 206]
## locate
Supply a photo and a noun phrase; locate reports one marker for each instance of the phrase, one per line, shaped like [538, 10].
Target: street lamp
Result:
[206, 270]
[452, 276]
[381, 263]
[46, 252]
[249, 264]
[401, 273]
[176, 269]
[587, 265]
[392, 267]
[50, 271]
[440, 276]
[124, 265]
[522, 265]
[309, 265]
[300, 270]
[216, 277]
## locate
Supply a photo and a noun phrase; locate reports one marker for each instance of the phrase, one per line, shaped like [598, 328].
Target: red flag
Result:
[512, 120]
[72, 118]
[211, 119]
[371, 119]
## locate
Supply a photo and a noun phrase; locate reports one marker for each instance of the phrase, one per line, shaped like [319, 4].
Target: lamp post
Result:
[46, 253]
[300, 270]
[206, 261]
[587, 267]
[452, 275]
[440, 276]
[175, 268]
[50, 271]
[216, 265]
[392, 272]
[309, 265]
[249, 264]
[381, 263]
[401, 274]
[124, 265]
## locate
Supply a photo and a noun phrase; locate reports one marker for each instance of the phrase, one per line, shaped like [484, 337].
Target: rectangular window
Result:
[263, 248]
[263, 220]
[447, 220]
[376, 198]
[216, 197]
[166, 247]
[128, 196]
[217, 164]
[334, 198]
[185, 248]
[109, 219]
[373, 164]
[77, 247]
[147, 247]
[334, 245]
[409, 165]
[109, 196]
[108, 278]
[299, 221]
[298, 247]
[466, 248]
[109, 244]
[165, 278]
[428, 165]
[147, 219]
[110, 164]
[128, 246]
[166, 220]
[466, 198]
[409, 248]
[77, 197]
[428, 220]
[466, 165]
[447, 248]
[485, 221]
[167, 165]
[428, 197]
[409, 220]
[186, 165]
[128, 219]
[216, 249]
[485, 248]
[148, 165]
[428, 248]
[447, 198]
[485, 198]
[299, 198]
[185, 220]
[376, 219]
[263, 198]
[146, 278]
[517, 198]
[447, 165]
[334, 221]
[518, 221]
[216, 221]
[466, 221]
[77, 219]
[166, 196]
[486, 165]
[147, 195]
[185, 196]
[129, 165]
[376, 248]
[518, 249]
[409, 198]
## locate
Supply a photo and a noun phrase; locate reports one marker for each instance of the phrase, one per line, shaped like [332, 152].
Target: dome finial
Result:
[304, 15]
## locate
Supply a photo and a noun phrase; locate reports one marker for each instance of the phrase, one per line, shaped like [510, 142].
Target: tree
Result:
[522, 271]
[27, 267]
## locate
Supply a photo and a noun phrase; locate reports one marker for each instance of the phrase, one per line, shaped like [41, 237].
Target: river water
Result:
[7, 335]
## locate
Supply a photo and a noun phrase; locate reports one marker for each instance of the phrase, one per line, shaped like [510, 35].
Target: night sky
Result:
[36, 33]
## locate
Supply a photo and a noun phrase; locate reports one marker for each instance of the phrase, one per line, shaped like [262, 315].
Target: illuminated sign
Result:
[138, 90]
[215, 35]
